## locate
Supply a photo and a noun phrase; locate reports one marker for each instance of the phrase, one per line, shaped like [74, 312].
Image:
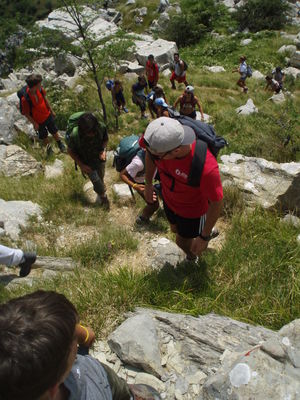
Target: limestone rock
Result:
[295, 72]
[162, 50]
[264, 182]
[61, 20]
[270, 371]
[65, 64]
[278, 98]
[258, 75]
[135, 67]
[142, 11]
[245, 42]
[122, 191]
[89, 193]
[287, 49]
[292, 220]
[215, 69]
[140, 347]
[130, 2]
[14, 161]
[55, 170]
[247, 109]
[15, 214]
[295, 60]
[163, 5]
[163, 251]
[55, 264]
[6, 121]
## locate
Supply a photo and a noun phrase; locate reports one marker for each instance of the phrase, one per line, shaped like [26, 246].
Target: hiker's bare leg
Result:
[185, 244]
[149, 210]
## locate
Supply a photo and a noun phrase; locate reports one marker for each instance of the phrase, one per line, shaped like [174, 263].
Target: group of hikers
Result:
[172, 162]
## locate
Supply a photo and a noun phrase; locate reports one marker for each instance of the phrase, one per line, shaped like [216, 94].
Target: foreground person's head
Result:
[38, 345]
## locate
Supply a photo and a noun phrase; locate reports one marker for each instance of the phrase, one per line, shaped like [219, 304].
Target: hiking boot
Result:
[144, 392]
[142, 220]
[173, 87]
[49, 150]
[245, 90]
[25, 266]
[103, 202]
[61, 146]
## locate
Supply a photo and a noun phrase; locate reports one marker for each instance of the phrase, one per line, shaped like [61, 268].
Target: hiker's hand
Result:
[149, 193]
[85, 169]
[198, 246]
[102, 155]
[139, 188]
[36, 126]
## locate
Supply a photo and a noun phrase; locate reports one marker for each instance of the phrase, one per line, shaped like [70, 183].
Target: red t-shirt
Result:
[152, 71]
[40, 111]
[187, 201]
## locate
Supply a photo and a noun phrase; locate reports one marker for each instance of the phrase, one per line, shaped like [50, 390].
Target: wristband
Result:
[134, 185]
[87, 333]
[205, 238]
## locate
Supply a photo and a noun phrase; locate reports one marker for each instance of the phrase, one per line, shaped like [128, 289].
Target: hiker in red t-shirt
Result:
[39, 112]
[152, 71]
[192, 211]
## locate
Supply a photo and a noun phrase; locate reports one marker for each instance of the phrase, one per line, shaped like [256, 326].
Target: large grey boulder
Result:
[258, 75]
[295, 60]
[14, 161]
[278, 98]
[7, 119]
[162, 50]
[215, 69]
[15, 215]
[180, 350]
[270, 370]
[66, 64]
[264, 182]
[247, 109]
[163, 251]
[60, 20]
[287, 49]
[294, 72]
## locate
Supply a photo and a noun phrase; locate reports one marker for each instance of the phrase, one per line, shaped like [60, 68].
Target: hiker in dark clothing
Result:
[156, 93]
[138, 94]
[87, 147]
[272, 85]
[278, 75]
[118, 96]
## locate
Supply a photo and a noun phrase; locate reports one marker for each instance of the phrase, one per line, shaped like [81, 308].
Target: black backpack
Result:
[23, 93]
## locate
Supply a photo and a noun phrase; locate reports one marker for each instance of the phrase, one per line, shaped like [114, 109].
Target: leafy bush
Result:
[257, 15]
[196, 19]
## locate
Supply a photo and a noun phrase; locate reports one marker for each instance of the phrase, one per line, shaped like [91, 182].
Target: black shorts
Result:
[47, 126]
[186, 227]
[120, 100]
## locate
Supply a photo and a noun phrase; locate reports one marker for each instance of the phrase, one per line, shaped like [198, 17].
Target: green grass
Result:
[243, 280]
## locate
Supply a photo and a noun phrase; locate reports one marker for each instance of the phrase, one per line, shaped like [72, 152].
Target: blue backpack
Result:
[249, 71]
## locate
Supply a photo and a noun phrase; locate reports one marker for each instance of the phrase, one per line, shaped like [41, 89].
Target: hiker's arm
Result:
[181, 67]
[200, 107]
[34, 123]
[48, 106]
[129, 181]
[85, 335]
[102, 154]
[84, 168]
[177, 101]
[150, 171]
[212, 215]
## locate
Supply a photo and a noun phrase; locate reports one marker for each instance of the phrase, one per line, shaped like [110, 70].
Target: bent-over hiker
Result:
[272, 85]
[191, 211]
[87, 146]
[36, 108]
[40, 334]
[17, 257]
[138, 94]
[279, 76]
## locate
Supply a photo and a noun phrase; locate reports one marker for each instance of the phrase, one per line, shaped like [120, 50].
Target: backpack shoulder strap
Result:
[28, 99]
[197, 163]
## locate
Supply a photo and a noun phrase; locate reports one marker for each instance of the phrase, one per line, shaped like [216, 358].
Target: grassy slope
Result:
[243, 280]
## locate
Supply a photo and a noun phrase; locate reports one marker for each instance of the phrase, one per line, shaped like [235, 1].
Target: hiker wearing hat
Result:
[192, 211]
[178, 71]
[188, 102]
[161, 107]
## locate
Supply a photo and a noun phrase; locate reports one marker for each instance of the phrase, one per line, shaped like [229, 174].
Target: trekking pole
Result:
[132, 193]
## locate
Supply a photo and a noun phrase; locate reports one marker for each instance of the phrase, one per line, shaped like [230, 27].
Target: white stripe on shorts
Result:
[202, 221]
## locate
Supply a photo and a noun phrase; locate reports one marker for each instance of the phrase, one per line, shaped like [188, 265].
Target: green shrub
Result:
[257, 15]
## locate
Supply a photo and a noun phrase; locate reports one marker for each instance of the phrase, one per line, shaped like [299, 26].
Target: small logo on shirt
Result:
[182, 174]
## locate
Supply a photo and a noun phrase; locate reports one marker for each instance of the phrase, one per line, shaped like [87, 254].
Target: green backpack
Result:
[71, 132]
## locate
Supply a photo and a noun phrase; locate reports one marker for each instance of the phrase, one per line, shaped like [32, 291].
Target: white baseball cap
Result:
[165, 134]
[189, 89]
